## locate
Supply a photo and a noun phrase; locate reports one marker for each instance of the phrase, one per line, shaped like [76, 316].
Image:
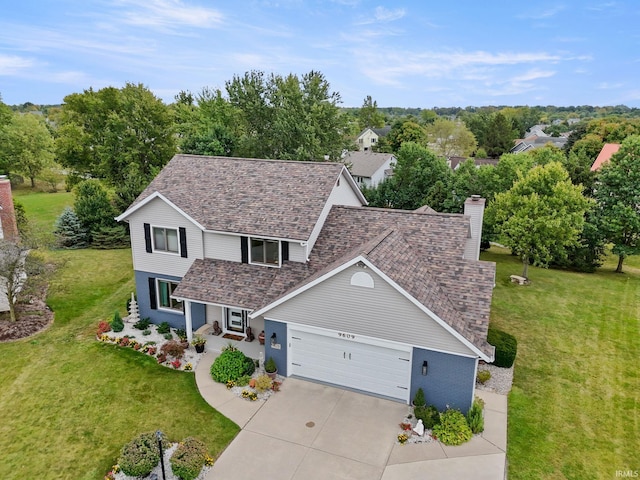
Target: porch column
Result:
[187, 318]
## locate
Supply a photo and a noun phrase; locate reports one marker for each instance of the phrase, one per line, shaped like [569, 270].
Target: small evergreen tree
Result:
[68, 230]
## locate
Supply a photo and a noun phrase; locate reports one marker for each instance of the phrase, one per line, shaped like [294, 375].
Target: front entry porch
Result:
[215, 343]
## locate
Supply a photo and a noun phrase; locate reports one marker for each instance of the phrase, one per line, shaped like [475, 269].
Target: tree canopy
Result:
[26, 146]
[540, 215]
[617, 193]
[102, 133]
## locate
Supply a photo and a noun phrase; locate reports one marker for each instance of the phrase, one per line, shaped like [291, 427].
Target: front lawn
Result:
[574, 411]
[70, 403]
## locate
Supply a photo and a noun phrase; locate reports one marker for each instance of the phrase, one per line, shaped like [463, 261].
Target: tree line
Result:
[110, 143]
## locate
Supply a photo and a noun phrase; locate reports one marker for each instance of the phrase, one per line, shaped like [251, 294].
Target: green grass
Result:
[43, 208]
[574, 411]
[68, 402]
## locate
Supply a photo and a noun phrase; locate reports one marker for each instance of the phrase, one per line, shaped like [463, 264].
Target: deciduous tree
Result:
[617, 193]
[449, 138]
[540, 216]
[27, 146]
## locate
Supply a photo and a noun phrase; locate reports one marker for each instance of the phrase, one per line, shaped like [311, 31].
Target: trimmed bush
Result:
[429, 415]
[142, 324]
[453, 428]
[231, 365]
[163, 328]
[117, 325]
[475, 419]
[484, 376]
[140, 455]
[189, 458]
[418, 400]
[506, 347]
[173, 348]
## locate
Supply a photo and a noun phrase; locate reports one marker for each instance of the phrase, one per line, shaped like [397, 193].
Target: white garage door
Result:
[380, 369]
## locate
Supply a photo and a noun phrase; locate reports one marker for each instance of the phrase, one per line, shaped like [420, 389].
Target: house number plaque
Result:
[348, 336]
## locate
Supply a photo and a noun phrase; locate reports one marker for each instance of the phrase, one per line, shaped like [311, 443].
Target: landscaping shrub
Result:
[168, 336]
[103, 327]
[429, 415]
[418, 400]
[181, 333]
[163, 328]
[484, 376]
[142, 324]
[243, 380]
[173, 348]
[263, 382]
[506, 347]
[231, 365]
[141, 455]
[453, 428]
[475, 418]
[189, 458]
[117, 325]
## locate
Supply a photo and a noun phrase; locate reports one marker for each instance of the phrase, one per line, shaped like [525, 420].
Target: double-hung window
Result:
[265, 251]
[165, 290]
[165, 240]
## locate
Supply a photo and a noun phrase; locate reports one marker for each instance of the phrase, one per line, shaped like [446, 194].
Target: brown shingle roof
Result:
[249, 196]
[420, 251]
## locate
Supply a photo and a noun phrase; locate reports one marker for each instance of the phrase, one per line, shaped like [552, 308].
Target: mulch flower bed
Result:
[32, 317]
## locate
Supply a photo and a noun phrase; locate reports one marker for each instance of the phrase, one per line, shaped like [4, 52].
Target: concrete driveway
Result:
[309, 431]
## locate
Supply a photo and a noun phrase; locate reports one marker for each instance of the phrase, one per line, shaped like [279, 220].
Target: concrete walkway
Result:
[310, 431]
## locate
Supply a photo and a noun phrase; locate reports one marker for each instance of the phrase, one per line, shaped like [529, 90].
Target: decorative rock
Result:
[419, 428]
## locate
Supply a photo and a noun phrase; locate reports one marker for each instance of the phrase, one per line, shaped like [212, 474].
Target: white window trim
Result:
[165, 252]
[272, 265]
[158, 304]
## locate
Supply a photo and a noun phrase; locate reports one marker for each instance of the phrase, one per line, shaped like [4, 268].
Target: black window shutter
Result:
[244, 249]
[152, 293]
[285, 251]
[183, 242]
[147, 237]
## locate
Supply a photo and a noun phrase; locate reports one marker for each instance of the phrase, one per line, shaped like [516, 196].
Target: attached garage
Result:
[370, 365]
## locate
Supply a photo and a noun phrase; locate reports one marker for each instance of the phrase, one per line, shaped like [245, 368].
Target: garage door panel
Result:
[371, 368]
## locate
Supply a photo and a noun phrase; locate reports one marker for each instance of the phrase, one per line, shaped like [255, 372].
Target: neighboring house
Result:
[377, 300]
[537, 138]
[369, 137]
[454, 162]
[369, 168]
[605, 155]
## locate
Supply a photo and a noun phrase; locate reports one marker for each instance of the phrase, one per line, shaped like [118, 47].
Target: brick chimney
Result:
[474, 208]
[8, 225]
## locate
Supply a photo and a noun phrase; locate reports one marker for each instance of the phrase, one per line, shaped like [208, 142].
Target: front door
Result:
[235, 320]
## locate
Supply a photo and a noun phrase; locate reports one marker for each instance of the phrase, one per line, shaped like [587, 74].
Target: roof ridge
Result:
[271, 160]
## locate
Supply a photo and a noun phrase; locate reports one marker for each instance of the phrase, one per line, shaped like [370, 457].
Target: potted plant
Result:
[271, 368]
[419, 400]
[199, 342]
[261, 337]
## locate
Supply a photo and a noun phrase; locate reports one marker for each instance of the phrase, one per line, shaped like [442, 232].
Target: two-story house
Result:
[369, 169]
[380, 301]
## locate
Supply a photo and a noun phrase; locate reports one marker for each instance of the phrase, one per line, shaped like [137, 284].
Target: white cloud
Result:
[610, 86]
[384, 15]
[541, 14]
[12, 64]
[533, 75]
[169, 13]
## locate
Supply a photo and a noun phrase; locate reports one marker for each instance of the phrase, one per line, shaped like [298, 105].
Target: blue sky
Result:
[419, 53]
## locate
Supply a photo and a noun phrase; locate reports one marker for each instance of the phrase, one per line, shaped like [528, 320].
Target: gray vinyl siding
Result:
[158, 213]
[342, 194]
[222, 247]
[379, 312]
[297, 253]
